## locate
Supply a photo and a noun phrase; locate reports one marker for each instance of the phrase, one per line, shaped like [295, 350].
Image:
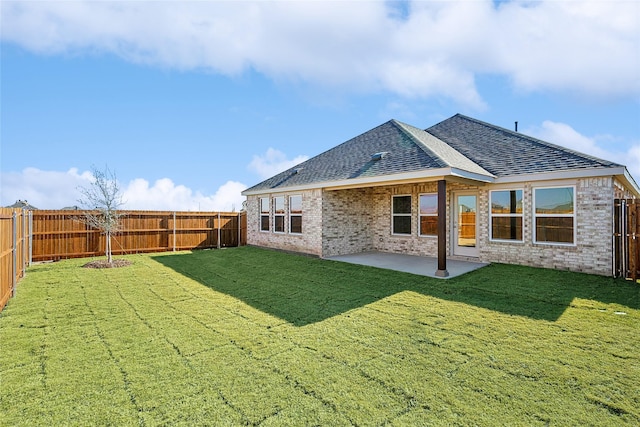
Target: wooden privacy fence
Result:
[61, 234]
[50, 235]
[626, 237]
[15, 229]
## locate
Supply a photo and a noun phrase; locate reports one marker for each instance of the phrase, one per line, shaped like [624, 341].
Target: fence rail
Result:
[51, 235]
[626, 239]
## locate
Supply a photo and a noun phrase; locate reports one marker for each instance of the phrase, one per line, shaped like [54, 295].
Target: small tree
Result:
[103, 195]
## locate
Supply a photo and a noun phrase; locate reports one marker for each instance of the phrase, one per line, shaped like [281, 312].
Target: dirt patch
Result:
[103, 263]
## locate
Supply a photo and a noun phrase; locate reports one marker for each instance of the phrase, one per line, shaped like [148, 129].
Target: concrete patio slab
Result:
[424, 266]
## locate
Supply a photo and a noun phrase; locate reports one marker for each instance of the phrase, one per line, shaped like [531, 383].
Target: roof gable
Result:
[504, 153]
[407, 149]
[445, 152]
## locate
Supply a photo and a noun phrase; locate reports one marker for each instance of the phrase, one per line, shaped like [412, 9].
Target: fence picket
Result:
[626, 239]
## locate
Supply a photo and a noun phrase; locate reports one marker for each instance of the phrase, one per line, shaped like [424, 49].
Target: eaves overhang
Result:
[619, 172]
[376, 181]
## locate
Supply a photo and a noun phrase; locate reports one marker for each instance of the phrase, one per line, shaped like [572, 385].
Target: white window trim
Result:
[420, 215]
[268, 215]
[410, 215]
[573, 215]
[509, 215]
[292, 214]
[283, 215]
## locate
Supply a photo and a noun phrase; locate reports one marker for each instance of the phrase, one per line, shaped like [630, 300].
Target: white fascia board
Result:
[564, 174]
[630, 182]
[472, 175]
[376, 181]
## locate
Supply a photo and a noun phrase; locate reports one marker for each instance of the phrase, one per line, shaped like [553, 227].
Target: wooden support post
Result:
[218, 229]
[174, 231]
[442, 229]
[634, 244]
[14, 253]
[30, 238]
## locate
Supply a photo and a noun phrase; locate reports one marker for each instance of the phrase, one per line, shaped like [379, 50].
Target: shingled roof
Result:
[459, 146]
[504, 153]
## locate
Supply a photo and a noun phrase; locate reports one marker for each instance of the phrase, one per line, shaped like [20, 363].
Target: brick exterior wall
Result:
[341, 222]
[347, 218]
[592, 252]
[309, 242]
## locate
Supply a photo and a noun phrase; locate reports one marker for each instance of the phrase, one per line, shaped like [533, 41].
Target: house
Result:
[22, 204]
[461, 189]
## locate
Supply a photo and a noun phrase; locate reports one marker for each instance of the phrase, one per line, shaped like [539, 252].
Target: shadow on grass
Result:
[304, 290]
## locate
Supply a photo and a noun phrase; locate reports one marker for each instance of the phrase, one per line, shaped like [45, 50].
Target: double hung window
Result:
[295, 214]
[401, 215]
[264, 214]
[278, 214]
[554, 215]
[428, 214]
[506, 215]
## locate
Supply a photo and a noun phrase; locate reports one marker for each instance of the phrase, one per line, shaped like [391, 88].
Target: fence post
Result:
[634, 245]
[24, 242]
[174, 231]
[30, 238]
[218, 229]
[239, 214]
[14, 251]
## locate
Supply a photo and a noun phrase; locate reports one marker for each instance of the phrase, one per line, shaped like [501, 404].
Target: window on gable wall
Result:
[264, 214]
[428, 214]
[401, 215]
[554, 215]
[506, 215]
[278, 214]
[295, 214]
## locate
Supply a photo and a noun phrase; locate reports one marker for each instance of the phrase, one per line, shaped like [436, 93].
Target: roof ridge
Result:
[534, 140]
[445, 153]
[403, 128]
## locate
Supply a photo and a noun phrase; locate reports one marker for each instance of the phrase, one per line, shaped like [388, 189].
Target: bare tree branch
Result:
[104, 197]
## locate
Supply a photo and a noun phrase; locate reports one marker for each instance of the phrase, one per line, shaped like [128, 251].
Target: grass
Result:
[255, 337]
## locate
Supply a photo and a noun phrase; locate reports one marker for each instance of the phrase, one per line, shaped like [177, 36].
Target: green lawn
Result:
[257, 337]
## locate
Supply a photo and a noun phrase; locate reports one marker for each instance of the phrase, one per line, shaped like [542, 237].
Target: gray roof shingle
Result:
[459, 142]
[505, 153]
[352, 159]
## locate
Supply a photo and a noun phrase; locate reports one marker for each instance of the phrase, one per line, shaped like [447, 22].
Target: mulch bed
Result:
[103, 263]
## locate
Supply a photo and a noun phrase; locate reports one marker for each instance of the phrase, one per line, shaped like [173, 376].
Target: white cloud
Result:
[165, 195]
[43, 189]
[55, 190]
[431, 49]
[273, 162]
[564, 135]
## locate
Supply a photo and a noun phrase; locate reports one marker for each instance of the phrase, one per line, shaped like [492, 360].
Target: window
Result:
[295, 214]
[401, 213]
[278, 217]
[428, 214]
[554, 215]
[506, 215]
[264, 214]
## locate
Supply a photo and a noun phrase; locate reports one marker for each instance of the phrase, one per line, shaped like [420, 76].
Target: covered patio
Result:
[421, 265]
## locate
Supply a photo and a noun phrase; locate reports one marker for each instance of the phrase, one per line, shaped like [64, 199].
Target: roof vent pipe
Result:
[516, 126]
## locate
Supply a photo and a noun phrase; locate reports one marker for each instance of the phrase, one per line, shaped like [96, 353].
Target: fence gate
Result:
[626, 239]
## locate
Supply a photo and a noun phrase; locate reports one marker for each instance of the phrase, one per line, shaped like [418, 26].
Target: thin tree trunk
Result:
[109, 258]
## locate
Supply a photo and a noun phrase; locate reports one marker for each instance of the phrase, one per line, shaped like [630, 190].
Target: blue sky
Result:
[191, 102]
